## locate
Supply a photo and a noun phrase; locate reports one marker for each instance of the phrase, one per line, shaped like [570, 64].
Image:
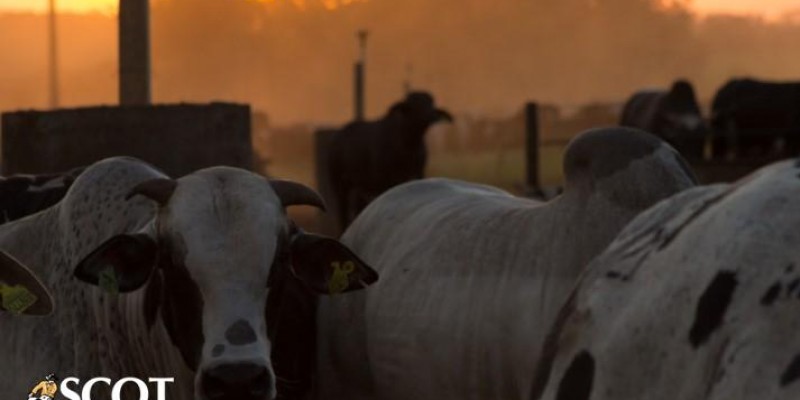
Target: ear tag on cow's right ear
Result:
[340, 279]
[108, 281]
[17, 298]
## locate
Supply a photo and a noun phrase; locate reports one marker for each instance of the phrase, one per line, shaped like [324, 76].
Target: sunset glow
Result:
[110, 6]
[769, 8]
[766, 8]
[80, 6]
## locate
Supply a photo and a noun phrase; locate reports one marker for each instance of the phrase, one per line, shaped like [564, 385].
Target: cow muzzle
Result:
[240, 381]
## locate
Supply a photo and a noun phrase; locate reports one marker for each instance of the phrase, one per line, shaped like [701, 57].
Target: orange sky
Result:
[109, 6]
[769, 8]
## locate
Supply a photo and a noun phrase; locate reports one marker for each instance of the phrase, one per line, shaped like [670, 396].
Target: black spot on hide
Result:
[240, 333]
[771, 294]
[712, 306]
[792, 372]
[578, 379]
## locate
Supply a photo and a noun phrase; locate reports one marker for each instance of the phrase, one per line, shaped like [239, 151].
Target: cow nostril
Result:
[239, 381]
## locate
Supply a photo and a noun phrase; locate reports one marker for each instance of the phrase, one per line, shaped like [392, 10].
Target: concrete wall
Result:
[176, 138]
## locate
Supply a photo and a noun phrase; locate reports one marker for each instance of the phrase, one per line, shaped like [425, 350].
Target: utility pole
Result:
[52, 56]
[134, 52]
[532, 146]
[360, 73]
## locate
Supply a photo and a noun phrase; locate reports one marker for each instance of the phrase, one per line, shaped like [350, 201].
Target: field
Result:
[503, 168]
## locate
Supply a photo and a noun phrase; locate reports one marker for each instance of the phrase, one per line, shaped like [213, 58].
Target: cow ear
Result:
[122, 264]
[327, 266]
[20, 291]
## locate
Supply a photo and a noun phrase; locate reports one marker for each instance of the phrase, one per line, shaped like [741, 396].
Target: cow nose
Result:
[241, 381]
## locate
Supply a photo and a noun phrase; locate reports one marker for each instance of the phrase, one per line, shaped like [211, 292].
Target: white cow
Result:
[698, 298]
[156, 277]
[471, 277]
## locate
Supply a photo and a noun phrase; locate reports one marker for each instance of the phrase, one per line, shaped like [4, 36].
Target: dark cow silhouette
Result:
[369, 157]
[750, 118]
[672, 115]
[22, 195]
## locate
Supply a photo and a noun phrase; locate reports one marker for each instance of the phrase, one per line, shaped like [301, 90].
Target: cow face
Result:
[419, 110]
[218, 236]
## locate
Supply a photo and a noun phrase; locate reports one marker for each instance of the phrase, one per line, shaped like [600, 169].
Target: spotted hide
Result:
[697, 299]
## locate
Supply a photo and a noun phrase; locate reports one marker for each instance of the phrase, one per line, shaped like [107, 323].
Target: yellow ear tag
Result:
[340, 279]
[17, 298]
[108, 281]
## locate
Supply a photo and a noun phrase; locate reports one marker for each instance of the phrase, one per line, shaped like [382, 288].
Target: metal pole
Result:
[360, 72]
[358, 90]
[53, 56]
[134, 52]
[532, 146]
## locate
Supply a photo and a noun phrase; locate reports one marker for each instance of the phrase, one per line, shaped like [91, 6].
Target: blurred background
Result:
[292, 60]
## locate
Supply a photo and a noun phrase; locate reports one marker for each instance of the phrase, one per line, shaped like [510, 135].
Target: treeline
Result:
[293, 59]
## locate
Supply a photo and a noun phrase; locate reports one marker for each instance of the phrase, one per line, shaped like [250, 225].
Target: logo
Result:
[72, 389]
[46, 389]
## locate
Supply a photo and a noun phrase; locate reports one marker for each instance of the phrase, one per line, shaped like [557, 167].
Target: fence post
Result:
[531, 146]
[134, 52]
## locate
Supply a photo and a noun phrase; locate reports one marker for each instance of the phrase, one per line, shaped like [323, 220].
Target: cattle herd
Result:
[749, 119]
[635, 283]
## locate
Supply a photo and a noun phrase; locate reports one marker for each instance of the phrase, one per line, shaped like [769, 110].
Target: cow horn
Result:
[293, 194]
[158, 190]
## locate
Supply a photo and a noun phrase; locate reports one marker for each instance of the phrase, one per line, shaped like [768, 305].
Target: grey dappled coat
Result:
[697, 299]
[471, 276]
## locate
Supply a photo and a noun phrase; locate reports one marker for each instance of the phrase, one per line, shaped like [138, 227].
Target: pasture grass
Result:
[505, 169]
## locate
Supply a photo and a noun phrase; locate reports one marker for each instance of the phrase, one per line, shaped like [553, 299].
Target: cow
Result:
[471, 276]
[162, 277]
[369, 157]
[672, 115]
[695, 299]
[21, 292]
[25, 194]
[750, 118]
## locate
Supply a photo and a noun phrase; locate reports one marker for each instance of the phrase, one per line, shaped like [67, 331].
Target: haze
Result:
[293, 59]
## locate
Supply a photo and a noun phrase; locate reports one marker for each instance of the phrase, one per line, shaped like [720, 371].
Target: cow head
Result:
[420, 111]
[206, 260]
[682, 116]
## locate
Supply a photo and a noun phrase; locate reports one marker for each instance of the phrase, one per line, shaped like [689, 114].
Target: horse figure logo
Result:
[46, 389]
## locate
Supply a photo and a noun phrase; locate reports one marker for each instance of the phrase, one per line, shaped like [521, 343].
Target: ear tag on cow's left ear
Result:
[340, 278]
[17, 298]
[108, 281]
